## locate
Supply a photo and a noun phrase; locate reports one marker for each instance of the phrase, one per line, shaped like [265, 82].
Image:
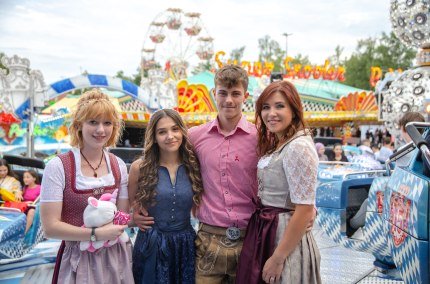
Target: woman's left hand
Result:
[272, 269]
[18, 195]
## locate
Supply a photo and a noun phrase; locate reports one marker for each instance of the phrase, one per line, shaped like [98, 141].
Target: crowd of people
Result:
[228, 173]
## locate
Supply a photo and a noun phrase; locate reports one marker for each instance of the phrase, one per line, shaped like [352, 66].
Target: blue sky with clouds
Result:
[62, 38]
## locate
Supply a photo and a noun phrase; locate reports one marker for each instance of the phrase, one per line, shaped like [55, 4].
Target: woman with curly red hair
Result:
[277, 248]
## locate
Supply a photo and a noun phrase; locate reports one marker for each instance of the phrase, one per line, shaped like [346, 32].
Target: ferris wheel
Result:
[176, 41]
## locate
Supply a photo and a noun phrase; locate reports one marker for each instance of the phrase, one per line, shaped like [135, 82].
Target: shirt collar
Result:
[242, 124]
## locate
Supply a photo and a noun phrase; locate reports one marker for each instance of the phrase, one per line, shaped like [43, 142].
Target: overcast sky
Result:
[63, 38]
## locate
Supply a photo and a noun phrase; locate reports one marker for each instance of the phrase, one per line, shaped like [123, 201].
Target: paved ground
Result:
[338, 265]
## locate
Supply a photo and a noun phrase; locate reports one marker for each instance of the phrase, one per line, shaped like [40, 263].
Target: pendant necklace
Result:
[98, 166]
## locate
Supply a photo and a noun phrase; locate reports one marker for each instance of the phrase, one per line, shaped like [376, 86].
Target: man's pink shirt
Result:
[229, 172]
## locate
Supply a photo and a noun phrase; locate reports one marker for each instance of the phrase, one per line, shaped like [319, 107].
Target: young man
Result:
[226, 148]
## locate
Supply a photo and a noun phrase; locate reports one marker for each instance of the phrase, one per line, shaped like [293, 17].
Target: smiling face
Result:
[277, 114]
[168, 135]
[96, 132]
[338, 150]
[229, 101]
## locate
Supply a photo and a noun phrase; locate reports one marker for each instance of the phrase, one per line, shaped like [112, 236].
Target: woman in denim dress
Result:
[165, 183]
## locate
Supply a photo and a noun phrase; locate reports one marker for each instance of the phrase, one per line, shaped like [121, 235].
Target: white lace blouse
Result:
[54, 180]
[300, 166]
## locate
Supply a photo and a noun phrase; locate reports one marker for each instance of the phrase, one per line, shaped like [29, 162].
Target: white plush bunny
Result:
[101, 212]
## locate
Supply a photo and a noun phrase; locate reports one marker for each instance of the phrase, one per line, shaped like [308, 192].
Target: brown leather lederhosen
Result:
[75, 201]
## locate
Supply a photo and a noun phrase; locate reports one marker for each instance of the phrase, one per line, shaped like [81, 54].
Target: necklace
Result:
[98, 166]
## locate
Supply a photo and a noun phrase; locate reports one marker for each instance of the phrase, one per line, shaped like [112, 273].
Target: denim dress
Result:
[166, 253]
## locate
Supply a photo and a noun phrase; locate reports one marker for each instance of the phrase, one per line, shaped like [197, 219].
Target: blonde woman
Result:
[70, 179]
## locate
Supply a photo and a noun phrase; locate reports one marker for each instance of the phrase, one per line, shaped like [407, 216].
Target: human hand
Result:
[18, 195]
[272, 269]
[109, 232]
[312, 221]
[142, 219]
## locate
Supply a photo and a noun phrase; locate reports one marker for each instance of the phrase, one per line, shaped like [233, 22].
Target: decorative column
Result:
[22, 90]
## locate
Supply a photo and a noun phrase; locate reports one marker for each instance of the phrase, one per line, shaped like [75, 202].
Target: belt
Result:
[218, 230]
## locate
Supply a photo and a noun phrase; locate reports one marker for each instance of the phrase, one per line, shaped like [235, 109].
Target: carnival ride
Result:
[396, 225]
[175, 40]
[14, 241]
[397, 211]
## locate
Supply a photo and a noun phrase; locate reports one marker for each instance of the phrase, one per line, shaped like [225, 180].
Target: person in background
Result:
[366, 142]
[31, 193]
[321, 150]
[405, 119]
[338, 156]
[10, 187]
[386, 150]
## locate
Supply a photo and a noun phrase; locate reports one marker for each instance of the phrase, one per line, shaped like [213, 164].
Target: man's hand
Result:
[142, 219]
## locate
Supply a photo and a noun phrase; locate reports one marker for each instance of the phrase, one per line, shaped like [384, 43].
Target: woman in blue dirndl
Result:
[165, 183]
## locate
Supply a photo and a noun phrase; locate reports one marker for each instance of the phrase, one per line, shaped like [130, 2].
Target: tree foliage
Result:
[271, 51]
[385, 52]
[1, 64]
[135, 78]
[237, 53]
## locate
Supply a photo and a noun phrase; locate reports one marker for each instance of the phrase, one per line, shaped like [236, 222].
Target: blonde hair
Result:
[94, 104]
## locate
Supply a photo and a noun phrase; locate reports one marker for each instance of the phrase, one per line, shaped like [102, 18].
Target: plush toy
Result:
[101, 212]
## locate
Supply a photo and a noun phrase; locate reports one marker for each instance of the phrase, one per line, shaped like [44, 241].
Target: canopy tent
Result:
[69, 102]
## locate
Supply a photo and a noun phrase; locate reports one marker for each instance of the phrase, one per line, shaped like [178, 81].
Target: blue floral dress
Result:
[166, 253]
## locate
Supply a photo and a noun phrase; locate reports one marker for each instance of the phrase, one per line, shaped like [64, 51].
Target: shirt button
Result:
[226, 138]
[173, 217]
[229, 209]
[174, 195]
[223, 174]
[226, 192]
[173, 209]
[174, 202]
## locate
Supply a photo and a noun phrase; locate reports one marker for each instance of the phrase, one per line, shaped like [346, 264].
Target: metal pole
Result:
[30, 138]
[286, 35]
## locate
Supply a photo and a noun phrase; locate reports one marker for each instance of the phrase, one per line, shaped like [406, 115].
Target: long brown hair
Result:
[268, 141]
[148, 174]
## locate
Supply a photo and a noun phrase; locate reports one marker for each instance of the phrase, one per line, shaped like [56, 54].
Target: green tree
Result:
[385, 52]
[271, 51]
[336, 59]
[300, 59]
[202, 66]
[135, 78]
[237, 53]
[1, 64]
